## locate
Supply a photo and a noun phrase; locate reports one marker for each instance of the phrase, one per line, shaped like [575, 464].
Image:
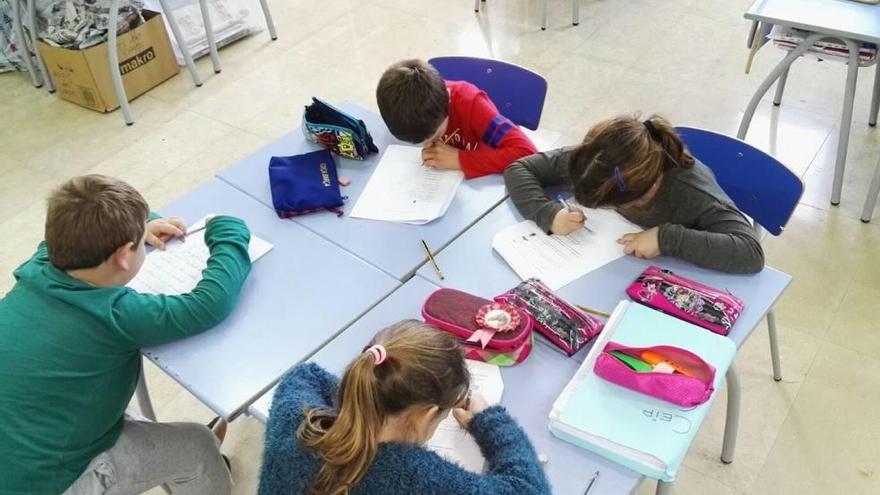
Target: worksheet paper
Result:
[403, 190]
[559, 260]
[454, 443]
[178, 268]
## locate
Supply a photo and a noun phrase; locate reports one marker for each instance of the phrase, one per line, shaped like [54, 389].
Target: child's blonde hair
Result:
[423, 366]
[622, 158]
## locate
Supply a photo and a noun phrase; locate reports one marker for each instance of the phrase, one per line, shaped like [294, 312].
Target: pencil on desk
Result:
[432, 260]
[592, 311]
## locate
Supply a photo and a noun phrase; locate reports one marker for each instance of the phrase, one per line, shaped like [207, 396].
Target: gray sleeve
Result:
[724, 241]
[526, 179]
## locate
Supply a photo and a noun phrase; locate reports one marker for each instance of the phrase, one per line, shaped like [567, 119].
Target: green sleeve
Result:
[150, 320]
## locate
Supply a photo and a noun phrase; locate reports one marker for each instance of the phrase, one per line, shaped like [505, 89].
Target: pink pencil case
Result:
[686, 300]
[687, 390]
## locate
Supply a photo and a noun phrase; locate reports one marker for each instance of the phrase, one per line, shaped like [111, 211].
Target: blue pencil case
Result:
[306, 183]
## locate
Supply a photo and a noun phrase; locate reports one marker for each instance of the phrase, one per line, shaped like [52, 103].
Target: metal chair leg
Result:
[871, 198]
[731, 422]
[774, 345]
[113, 62]
[663, 488]
[476, 5]
[270, 24]
[875, 99]
[181, 43]
[771, 78]
[845, 120]
[23, 51]
[780, 87]
[209, 33]
[32, 19]
[575, 12]
[143, 396]
[544, 17]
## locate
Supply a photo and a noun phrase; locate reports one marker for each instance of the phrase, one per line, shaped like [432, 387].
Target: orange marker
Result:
[654, 359]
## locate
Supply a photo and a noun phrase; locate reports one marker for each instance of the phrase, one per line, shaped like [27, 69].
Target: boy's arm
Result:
[150, 320]
[526, 179]
[502, 141]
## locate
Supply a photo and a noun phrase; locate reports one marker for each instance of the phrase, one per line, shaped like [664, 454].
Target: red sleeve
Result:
[502, 141]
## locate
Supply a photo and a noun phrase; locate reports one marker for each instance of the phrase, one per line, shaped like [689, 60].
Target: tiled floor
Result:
[813, 433]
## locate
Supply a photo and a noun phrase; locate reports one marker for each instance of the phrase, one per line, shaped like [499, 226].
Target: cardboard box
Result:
[83, 76]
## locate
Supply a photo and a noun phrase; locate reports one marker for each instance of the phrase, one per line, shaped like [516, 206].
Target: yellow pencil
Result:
[592, 311]
[431, 258]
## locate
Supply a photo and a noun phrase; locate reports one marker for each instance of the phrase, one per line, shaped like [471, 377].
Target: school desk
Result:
[530, 388]
[395, 248]
[853, 23]
[471, 265]
[297, 298]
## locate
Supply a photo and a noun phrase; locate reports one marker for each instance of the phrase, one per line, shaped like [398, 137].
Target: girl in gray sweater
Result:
[643, 171]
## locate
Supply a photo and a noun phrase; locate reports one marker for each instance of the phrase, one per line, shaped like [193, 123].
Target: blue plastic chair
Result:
[517, 92]
[759, 185]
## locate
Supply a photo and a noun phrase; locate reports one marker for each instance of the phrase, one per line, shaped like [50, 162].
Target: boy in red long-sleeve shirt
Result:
[457, 125]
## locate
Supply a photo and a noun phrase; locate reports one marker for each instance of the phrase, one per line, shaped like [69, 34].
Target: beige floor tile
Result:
[688, 482]
[827, 444]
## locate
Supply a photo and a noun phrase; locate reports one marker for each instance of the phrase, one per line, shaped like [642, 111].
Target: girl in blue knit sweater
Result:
[364, 435]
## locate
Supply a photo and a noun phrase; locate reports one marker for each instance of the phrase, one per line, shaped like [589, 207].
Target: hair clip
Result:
[652, 131]
[379, 354]
[618, 177]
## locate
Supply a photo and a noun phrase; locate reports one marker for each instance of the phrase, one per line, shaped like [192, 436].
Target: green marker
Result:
[633, 363]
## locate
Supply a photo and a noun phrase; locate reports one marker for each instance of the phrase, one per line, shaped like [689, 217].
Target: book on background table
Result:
[178, 268]
[561, 259]
[635, 430]
[403, 190]
[453, 442]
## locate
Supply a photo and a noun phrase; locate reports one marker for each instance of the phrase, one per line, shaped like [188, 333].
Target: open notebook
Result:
[178, 268]
[648, 435]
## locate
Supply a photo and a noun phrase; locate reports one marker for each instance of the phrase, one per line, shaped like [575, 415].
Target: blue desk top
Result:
[470, 264]
[393, 247]
[530, 389]
[297, 298]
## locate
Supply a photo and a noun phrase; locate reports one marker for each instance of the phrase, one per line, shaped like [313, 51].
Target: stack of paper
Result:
[559, 260]
[403, 190]
[636, 430]
[453, 442]
[178, 268]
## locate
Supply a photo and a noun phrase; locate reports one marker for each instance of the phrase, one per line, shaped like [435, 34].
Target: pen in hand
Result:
[568, 207]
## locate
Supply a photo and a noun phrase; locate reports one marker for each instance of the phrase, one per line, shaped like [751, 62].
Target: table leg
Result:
[780, 87]
[731, 423]
[209, 34]
[113, 62]
[575, 12]
[23, 51]
[771, 78]
[270, 24]
[871, 199]
[845, 120]
[32, 18]
[143, 396]
[875, 99]
[774, 345]
[476, 5]
[663, 488]
[181, 43]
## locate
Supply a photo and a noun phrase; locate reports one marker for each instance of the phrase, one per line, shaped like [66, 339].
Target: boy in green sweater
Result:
[70, 336]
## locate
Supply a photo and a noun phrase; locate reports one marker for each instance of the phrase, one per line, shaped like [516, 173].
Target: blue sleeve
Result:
[514, 468]
[306, 385]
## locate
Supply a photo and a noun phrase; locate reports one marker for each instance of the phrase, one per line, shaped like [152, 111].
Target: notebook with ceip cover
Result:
[646, 434]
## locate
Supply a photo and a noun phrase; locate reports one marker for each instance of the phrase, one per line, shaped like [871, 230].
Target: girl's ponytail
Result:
[409, 363]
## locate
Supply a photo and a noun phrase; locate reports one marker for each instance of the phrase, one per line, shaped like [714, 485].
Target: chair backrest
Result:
[759, 185]
[517, 92]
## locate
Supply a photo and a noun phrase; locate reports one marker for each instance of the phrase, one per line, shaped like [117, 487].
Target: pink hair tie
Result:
[379, 354]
